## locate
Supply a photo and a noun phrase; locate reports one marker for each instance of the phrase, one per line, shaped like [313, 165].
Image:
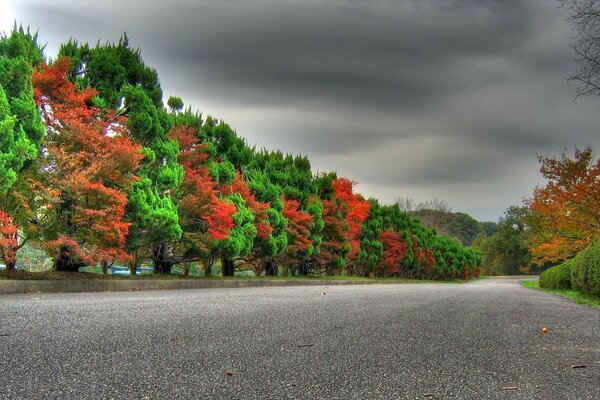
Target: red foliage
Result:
[89, 160]
[198, 195]
[258, 209]
[465, 272]
[298, 229]
[423, 256]
[8, 240]
[333, 234]
[394, 250]
[354, 209]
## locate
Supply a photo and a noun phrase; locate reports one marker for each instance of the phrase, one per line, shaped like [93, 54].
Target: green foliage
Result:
[506, 252]
[557, 277]
[175, 103]
[21, 130]
[343, 231]
[585, 269]
[111, 67]
[153, 217]
[240, 240]
[371, 249]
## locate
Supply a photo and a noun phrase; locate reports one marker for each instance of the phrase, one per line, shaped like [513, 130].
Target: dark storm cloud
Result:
[440, 98]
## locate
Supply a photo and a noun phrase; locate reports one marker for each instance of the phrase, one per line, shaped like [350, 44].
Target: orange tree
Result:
[565, 213]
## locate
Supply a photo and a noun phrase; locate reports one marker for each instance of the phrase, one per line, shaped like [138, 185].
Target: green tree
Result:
[506, 252]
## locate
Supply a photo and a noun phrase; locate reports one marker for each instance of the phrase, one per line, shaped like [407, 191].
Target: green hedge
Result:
[557, 277]
[585, 269]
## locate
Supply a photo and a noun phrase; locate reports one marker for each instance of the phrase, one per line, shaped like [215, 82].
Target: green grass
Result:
[587, 299]
[94, 274]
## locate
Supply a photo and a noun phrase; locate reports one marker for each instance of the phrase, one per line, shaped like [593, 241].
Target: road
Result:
[479, 340]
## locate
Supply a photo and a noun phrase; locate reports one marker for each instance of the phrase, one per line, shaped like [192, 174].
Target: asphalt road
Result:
[480, 340]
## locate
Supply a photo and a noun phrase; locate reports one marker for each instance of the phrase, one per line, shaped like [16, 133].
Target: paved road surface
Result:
[480, 340]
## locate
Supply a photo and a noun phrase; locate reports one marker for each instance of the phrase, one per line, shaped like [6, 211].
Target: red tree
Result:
[298, 231]
[203, 216]
[394, 250]
[354, 210]
[90, 161]
[8, 241]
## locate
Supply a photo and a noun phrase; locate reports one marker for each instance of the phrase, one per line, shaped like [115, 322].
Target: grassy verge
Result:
[59, 275]
[579, 297]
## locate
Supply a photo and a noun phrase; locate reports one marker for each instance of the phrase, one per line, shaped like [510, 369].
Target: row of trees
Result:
[95, 169]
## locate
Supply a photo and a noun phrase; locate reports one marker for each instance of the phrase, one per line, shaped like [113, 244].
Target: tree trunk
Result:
[65, 262]
[162, 265]
[303, 268]
[270, 268]
[329, 270]
[208, 264]
[227, 267]
[185, 268]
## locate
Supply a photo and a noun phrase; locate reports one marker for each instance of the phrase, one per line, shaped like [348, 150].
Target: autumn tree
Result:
[121, 77]
[89, 162]
[566, 211]
[203, 216]
[299, 245]
[394, 251]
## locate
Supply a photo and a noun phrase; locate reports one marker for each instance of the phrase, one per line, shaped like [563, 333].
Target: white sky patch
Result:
[6, 17]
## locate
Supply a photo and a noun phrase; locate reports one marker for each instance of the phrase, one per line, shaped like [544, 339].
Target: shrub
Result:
[585, 269]
[557, 277]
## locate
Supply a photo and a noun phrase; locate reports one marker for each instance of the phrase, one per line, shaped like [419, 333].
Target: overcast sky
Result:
[447, 99]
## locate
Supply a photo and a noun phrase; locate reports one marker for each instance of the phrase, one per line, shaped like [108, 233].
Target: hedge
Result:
[585, 269]
[557, 277]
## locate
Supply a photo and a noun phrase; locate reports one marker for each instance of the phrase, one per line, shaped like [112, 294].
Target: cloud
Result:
[441, 98]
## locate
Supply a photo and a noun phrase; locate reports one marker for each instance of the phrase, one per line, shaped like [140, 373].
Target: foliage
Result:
[557, 277]
[94, 169]
[8, 240]
[585, 269]
[565, 213]
[506, 252]
[88, 161]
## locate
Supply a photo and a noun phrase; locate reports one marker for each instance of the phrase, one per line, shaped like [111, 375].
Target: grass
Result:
[92, 274]
[587, 299]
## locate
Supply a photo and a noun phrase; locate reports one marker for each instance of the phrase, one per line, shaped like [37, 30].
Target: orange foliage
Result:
[8, 240]
[354, 209]
[199, 200]
[89, 160]
[394, 250]
[565, 212]
[298, 230]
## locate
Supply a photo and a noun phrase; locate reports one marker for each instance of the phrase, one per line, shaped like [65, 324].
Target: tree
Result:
[8, 241]
[565, 213]
[203, 216]
[584, 16]
[175, 104]
[121, 77]
[394, 251]
[89, 161]
[299, 244]
[506, 252]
